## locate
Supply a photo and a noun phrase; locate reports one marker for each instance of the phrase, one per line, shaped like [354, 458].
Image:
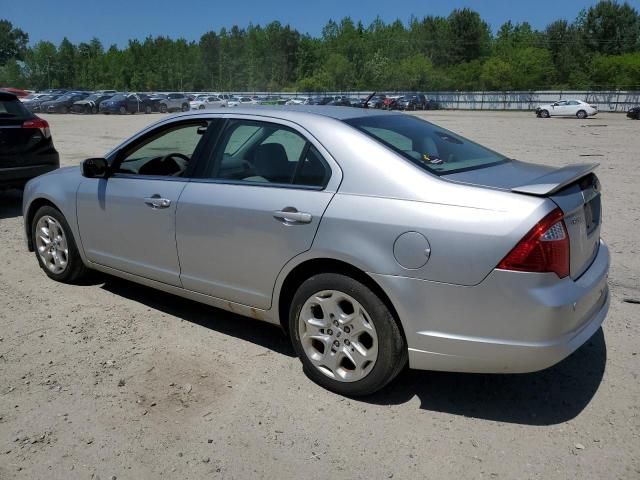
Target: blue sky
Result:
[116, 21]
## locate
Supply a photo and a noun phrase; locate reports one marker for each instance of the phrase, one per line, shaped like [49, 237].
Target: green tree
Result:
[611, 28]
[13, 42]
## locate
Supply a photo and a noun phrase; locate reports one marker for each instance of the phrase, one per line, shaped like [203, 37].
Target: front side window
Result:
[267, 153]
[167, 153]
[426, 145]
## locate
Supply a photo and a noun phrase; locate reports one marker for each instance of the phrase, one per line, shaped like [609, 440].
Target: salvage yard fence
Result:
[606, 101]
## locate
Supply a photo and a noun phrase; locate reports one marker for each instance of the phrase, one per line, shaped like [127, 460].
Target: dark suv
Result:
[26, 147]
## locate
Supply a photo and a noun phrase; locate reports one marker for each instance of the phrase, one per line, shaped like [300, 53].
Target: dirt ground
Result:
[114, 380]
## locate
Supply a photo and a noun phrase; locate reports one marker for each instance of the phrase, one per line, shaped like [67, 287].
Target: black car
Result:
[62, 104]
[124, 103]
[91, 104]
[318, 101]
[26, 147]
[411, 102]
[34, 105]
[340, 102]
[634, 113]
[432, 105]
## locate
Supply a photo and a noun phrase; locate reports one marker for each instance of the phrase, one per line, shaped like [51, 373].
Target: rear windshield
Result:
[428, 146]
[13, 109]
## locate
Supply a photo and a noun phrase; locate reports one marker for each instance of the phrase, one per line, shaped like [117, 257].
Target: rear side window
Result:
[266, 153]
[13, 108]
[428, 146]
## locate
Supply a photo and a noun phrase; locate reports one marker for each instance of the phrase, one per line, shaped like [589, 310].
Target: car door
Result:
[127, 221]
[572, 107]
[559, 109]
[255, 206]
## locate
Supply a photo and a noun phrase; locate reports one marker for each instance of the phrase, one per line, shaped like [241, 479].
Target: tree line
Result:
[600, 49]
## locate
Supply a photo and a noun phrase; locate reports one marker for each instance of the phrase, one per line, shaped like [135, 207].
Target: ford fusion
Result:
[375, 239]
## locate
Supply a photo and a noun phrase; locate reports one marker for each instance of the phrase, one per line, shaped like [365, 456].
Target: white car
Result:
[207, 101]
[567, 108]
[297, 101]
[241, 101]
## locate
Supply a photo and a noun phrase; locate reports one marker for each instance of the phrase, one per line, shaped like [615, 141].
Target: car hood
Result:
[523, 177]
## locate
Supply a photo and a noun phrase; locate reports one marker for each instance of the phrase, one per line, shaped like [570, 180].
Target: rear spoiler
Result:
[552, 182]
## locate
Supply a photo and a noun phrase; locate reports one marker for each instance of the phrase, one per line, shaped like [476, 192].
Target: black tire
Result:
[392, 350]
[122, 110]
[185, 107]
[581, 114]
[201, 107]
[94, 109]
[75, 269]
[163, 108]
[544, 113]
[65, 109]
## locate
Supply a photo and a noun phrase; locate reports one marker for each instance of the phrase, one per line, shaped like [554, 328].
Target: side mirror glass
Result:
[94, 168]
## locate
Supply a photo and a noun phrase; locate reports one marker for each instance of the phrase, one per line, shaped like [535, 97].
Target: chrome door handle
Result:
[156, 201]
[290, 215]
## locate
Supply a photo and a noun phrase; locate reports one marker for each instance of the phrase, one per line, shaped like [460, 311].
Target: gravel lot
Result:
[117, 380]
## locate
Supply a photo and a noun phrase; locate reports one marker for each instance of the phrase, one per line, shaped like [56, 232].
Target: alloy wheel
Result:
[51, 243]
[338, 336]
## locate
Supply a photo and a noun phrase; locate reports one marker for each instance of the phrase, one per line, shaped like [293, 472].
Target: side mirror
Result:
[94, 168]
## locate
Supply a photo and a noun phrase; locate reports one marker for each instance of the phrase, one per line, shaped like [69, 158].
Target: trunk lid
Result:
[574, 188]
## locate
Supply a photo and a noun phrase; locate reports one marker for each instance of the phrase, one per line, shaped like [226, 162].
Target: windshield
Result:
[428, 146]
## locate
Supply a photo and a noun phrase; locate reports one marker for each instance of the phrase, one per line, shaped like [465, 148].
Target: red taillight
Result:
[36, 122]
[544, 249]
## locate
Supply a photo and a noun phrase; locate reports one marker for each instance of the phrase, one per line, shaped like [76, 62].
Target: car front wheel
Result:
[55, 247]
[544, 113]
[345, 336]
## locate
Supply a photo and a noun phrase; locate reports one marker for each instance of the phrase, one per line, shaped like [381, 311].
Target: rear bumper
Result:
[512, 322]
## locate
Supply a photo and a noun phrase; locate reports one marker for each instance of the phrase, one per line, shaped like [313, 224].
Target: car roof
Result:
[298, 112]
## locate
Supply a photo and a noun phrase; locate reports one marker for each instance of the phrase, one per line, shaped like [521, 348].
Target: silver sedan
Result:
[376, 240]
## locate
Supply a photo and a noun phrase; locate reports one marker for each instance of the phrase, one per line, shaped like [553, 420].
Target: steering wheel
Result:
[179, 159]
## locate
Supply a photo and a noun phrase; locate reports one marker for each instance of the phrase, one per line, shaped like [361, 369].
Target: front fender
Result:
[57, 188]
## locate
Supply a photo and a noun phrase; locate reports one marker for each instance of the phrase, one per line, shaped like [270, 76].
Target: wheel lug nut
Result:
[335, 322]
[347, 342]
[347, 329]
[336, 343]
[330, 332]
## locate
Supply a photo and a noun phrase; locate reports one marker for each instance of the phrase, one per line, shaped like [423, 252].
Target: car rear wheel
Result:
[581, 114]
[122, 110]
[163, 108]
[55, 247]
[185, 107]
[345, 336]
[544, 113]
[94, 109]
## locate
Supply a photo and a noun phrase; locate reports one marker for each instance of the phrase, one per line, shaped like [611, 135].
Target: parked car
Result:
[411, 102]
[207, 101]
[567, 108]
[440, 253]
[432, 105]
[318, 100]
[391, 103]
[124, 103]
[35, 104]
[91, 104]
[236, 101]
[174, 102]
[634, 113]
[377, 101]
[26, 147]
[62, 104]
[31, 97]
[297, 101]
[340, 101]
